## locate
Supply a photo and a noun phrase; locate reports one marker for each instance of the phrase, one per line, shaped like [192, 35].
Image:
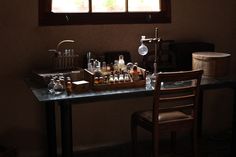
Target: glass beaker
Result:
[58, 87]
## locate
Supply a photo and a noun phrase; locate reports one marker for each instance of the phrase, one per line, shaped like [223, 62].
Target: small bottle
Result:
[121, 62]
[121, 78]
[96, 80]
[51, 86]
[104, 67]
[97, 72]
[106, 79]
[148, 78]
[58, 87]
[135, 73]
[116, 79]
[68, 86]
[126, 78]
[62, 81]
[115, 66]
[101, 80]
[111, 79]
[108, 68]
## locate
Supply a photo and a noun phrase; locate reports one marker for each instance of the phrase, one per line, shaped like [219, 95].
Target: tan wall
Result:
[24, 46]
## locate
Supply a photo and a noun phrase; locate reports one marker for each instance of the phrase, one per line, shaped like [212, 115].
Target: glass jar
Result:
[58, 87]
[51, 86]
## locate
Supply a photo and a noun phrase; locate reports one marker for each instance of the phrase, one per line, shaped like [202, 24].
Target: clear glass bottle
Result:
[148, 78]
[115, 66]
[104, 67]
[121, 62]
[111, 79]
[51, 86]
[116, 79]
[121, 78]
[58, 87]
[126, 78]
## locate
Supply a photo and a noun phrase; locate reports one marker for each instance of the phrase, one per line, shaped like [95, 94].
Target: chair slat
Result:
[176, 98]
[174, 108]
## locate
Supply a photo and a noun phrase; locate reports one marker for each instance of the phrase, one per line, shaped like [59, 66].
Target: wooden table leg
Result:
[66, 129]
[233, 142]
[51, 129]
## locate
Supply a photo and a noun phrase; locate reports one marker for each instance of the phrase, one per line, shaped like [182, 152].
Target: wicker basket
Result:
[214, 64]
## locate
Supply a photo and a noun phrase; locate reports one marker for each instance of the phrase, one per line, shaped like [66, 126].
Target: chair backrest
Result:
[176, 91]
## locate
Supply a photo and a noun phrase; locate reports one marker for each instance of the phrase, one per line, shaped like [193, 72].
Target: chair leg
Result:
[155, 142]
[134, 136]
[173, 142]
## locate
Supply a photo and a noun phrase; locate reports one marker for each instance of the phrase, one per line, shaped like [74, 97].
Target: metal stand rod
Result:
[156, 47]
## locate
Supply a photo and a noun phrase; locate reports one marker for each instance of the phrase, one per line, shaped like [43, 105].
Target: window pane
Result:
[144, 5]
[108, 5]
[70, 6]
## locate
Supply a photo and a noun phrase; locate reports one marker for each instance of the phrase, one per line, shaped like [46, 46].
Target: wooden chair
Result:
[175, 102]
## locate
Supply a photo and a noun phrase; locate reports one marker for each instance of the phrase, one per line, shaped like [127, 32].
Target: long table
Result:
[65, 103]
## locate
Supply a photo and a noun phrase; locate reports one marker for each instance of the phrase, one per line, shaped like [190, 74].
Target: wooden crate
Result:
[214, 64]
[89, 76]
[42, 77]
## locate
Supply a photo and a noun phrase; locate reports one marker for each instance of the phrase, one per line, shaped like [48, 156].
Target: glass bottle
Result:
[97, 72]
[116, 79]
[121, 78]
[58, 87]
[51, 86]
[111, 79]
[104, 67]
[148, 78]
[115, 66]
[68, 85]
[121, 62]
[126, 78]
[96, 80]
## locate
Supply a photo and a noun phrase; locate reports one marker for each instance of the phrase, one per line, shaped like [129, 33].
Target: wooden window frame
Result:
[48, 18]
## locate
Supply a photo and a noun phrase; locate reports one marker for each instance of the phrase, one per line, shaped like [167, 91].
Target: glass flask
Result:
[142, 50]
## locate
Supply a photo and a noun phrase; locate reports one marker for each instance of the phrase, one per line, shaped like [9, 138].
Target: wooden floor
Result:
[212, 146]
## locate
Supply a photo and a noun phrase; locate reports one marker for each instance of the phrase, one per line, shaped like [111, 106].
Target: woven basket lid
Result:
[210, 55]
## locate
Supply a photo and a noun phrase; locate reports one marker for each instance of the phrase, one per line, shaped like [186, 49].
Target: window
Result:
[69, 12]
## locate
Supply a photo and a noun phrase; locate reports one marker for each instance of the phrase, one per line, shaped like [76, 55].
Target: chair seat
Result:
[163, 117]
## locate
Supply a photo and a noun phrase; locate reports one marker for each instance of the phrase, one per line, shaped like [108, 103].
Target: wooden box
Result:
[80, 86]
[42, 77]
[214, 64]
[89, 76]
